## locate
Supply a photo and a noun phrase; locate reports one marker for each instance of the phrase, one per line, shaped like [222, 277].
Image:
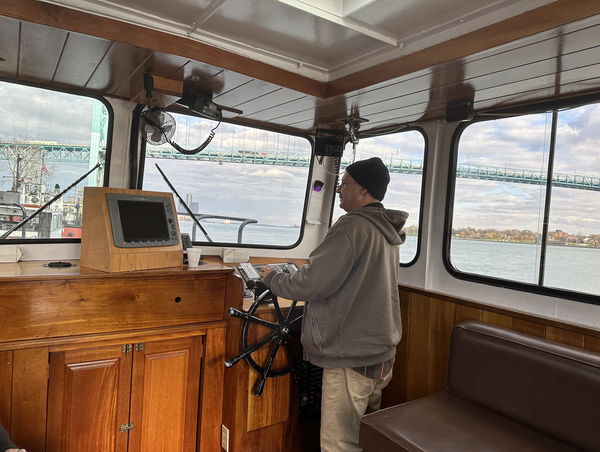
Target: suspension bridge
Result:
[396, 164]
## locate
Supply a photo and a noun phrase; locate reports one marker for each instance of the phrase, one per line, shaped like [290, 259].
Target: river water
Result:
[567, 267]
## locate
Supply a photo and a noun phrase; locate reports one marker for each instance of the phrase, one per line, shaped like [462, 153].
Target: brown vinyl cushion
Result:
[445, 422]
[548, 386]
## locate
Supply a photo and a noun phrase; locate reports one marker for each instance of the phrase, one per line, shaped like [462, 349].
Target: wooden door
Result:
[88, 400]
[164, 395]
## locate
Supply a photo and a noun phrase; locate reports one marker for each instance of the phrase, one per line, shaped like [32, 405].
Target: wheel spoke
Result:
[292, 307]
[261, 384]
[250, 350]
[277, 311]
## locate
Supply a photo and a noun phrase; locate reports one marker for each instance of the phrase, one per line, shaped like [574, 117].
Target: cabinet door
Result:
[164, 396]
[88, 400]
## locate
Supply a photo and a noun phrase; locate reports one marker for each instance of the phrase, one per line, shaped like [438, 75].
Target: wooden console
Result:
[98, 250]
[113, 362]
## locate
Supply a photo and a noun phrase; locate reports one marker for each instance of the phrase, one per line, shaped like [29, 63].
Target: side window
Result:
[49, 140]
[508, 222]
[404, 154]
[247, 187]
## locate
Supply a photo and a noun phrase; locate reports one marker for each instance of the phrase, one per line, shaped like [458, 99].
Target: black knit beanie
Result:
[372, 174]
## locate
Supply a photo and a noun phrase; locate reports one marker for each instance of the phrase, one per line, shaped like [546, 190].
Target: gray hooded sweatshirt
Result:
[352, 311]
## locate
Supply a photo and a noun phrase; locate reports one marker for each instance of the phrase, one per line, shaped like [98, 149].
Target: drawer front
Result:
[44, 309]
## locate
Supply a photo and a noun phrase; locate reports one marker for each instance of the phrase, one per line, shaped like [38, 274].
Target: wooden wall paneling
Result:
[193, 68]
[526, 326]
[467, 312]
[9, 46]
[29, 398]
[40, 51]
[497, 319]
[591, 343]
[79, 59]
[6, 371]
[273, 406]
[442, 321]
[117, 67]
[418, 346]
[211, 390]
[395, 393]
[564, 336]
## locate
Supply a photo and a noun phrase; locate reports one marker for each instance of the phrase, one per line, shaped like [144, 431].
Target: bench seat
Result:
[505, 391]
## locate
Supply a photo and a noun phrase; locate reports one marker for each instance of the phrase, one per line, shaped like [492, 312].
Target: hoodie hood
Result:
[389, 222]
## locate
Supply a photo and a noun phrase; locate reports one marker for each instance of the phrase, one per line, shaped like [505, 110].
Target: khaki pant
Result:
[347, 396]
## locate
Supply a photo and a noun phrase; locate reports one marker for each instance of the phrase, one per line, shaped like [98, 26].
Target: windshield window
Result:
[247, 187]
[508, 221]
[404, 154]
[48, 140]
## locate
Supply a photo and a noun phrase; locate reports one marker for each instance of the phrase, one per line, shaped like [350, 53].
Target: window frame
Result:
[535, 288]
[395, 130]
[107, 160]
[142, 164]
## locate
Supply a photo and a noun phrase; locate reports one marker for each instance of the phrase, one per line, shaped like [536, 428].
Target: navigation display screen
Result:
[142, 220]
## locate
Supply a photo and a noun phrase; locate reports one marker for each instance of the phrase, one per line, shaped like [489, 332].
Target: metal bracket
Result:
[139, 346]
[126, 427]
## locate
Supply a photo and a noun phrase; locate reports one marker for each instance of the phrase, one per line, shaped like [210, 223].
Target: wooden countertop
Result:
[39, 270]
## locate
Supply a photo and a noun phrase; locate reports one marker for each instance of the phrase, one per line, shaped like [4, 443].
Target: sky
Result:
[275, 194]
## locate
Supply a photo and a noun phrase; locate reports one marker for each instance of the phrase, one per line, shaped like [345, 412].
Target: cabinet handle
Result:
[126, 349]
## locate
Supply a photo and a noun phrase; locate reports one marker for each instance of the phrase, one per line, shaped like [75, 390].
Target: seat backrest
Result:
[551, 387]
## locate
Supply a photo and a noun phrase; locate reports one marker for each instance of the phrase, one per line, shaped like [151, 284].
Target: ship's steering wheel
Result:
[281, 332]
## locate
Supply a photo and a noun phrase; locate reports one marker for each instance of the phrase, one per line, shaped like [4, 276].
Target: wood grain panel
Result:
[497, 319]
[273, 406]
[164, 396]
[467, 312]
[419, 347]
[72, 307]
[6, 371]
[564, 336]
[526, 326]
[427, 318]
[442, 321]
[88, 400]
[29, 398]
[400, 369]
[591, 343]
[211, 390]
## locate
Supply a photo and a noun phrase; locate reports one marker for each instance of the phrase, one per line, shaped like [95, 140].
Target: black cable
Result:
[200, 148]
